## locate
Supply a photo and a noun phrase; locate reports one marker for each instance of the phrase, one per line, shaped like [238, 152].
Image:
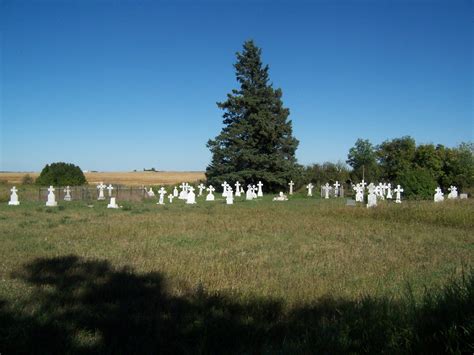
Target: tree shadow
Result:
[84, 306]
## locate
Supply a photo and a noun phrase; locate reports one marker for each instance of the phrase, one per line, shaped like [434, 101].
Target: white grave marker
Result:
[170, 198]
[438, 196]
[67, 196]
[398, 192]
[291, 183]
[260, 191]
[372, 197]
[326, 189]
[453, 192]
[175, 192]
[113, 203]
[51, 198]
[210, 195]
[13, 197]
[224, 189]
[249, 193]
[162, 193]
[191, 196]
[201, 187]
[336, 188]
[110, 188]
[101, 188]
[229, 199]
[237, 189]
[310, 187]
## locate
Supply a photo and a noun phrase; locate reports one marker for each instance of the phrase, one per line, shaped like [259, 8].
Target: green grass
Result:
[307, 275]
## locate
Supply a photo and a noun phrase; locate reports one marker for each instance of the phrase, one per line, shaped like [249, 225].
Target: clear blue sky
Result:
[122, 85]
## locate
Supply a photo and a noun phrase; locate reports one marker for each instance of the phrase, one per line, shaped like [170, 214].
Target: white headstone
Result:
[229, 199]
[254, 191]
[463, 196]
[336, 188]
[67, 196]
[14, 197]
[237, 189]
[170, 198]
[260, 191]
[101, 188]
[110, 188]
[113, 203]
[183, 195]
[398, 192]
[210, 195]
[291, 183]
[372, 197]
[389, 191]
[150, 192]
[191, 196]
[310, 187]
[51, 198]
[249, 193]
[359, 188]
[438, 196]
[453, 192]
[326, 189]
[224, 189]
[281, 197]
[201, 187]
[162, 193]
[175, 192]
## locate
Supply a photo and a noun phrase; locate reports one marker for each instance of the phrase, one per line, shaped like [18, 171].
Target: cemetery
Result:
[277, 236]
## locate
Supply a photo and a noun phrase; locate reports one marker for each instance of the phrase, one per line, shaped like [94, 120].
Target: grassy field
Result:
[302, 276]
[146, 178]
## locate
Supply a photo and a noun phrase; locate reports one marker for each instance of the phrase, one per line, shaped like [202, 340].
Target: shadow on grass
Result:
[83, 306]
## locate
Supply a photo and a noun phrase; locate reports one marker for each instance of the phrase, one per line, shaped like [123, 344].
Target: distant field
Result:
[124, 178]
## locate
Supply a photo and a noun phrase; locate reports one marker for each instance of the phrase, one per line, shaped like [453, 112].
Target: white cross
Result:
[51, 189]
[237, 186]
[14, 190]
[183, 186]
[211, 189]
[170, 197]
[110, 188]
[101, 186]
[201, 187]
[398, 189]
[162, 191]
[291, 183]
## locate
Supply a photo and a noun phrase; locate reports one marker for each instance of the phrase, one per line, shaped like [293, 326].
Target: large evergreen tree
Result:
[256, 142]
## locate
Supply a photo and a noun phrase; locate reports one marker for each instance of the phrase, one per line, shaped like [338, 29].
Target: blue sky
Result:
[123, 85]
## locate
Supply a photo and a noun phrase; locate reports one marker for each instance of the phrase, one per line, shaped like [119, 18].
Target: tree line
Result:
[418, 168]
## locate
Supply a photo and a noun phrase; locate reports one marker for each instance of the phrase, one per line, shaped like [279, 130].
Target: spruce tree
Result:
[256, 142]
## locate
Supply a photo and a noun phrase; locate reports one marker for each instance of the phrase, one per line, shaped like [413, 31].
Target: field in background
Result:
[146, 178]
[298, 277]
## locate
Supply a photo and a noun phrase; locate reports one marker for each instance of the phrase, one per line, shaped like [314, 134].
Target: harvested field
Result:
[123, 178]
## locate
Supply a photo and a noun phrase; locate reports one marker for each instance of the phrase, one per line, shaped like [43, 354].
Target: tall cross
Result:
[237, 186]
[201, 187]
[182, 186]
[101, 186]
[162, 191]
[110, 188]
[51, 189]
[14, 190]
[291, 183]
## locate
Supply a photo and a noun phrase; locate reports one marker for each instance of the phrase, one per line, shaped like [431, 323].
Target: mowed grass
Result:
[297, 276]
[138, 178]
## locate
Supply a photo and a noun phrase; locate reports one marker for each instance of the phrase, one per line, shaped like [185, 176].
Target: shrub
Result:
[61, 174]
[27, 180]
[417, 183]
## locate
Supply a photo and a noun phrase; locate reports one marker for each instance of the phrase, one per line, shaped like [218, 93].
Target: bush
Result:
[61, 174]
[417, 183]
[27, 180]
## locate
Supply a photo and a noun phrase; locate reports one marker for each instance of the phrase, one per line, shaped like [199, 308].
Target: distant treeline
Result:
[419, 169]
